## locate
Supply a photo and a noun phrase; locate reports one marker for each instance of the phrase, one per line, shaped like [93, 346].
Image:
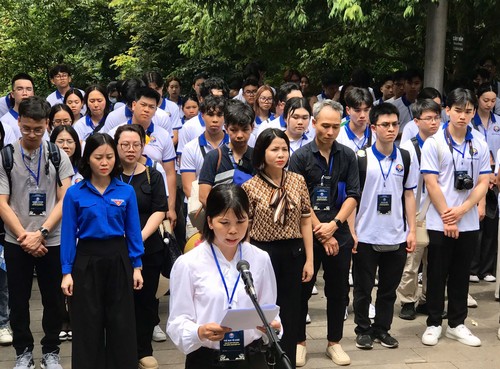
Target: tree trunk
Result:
[435, 44]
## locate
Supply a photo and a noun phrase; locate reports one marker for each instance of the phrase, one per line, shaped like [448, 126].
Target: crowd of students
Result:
[367, 185]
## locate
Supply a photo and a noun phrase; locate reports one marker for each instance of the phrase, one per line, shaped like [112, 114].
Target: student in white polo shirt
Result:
[22, 88]
[356, 133]
[427, 116]
[297, 115]
[159, 146]
[6, 103]
[385, 227]
[456, 168]
[195, 126]
[124, 113]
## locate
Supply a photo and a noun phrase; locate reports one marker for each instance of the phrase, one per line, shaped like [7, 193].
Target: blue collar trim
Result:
[420, 141]
[381, 156]
[14, 113]
[128, 112]
[202, 122]
[282, 121]
[468, 135]
[202, 140]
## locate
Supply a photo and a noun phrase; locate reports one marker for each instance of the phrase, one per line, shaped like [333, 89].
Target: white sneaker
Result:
[463, 335]
[473, 278]
[159, 335]
[351, 280]
[5, 336]
[63, 336]
[489, 278]
[50, 361]
[432, 335]
[471, 301]
[371, 311]
[25, 360]
[308, 320]
[301, 356]
[314, 290]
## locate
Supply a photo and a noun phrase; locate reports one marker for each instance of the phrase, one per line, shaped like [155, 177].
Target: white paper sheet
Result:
[239, 319]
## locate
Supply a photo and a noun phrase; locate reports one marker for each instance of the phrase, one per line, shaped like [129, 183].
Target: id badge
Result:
[384, 203]
[321, 199]
[232, 347]
[38, 203]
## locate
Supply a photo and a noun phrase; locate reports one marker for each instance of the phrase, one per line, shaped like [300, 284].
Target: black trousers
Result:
[205, 358]
[20, 281]
[288, 258]
[448, 267]
[336, 277]
[390, 269]
[102, 315]
[485, 250]
[146, 304]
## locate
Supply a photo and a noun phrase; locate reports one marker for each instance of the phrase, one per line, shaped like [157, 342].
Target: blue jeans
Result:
[4, 300]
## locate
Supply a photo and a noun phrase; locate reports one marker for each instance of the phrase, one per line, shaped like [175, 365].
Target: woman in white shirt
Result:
[205, 283]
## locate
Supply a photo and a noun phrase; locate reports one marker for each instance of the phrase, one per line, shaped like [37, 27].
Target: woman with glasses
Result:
[264, 106]
[60, 115]
[152, 201]
[67, 139]
[97, 102]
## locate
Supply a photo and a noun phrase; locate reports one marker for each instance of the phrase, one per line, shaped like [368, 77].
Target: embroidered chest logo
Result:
[399, 168]
[496, 128]
[118, 202]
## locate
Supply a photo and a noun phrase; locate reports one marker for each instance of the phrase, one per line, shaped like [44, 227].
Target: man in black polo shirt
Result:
[331, 172]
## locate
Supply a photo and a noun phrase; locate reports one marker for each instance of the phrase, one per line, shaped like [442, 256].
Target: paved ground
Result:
[410, 355]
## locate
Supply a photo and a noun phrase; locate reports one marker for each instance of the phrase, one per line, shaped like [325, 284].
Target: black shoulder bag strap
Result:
[405, 155]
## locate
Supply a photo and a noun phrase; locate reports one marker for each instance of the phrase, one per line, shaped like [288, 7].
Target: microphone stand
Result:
[271, 334]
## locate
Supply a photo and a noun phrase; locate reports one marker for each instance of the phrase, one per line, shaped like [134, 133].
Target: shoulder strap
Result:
[405, 155]
[417, 148]
[362, 165]
[55, 158]
[8, 162]
[219, 159]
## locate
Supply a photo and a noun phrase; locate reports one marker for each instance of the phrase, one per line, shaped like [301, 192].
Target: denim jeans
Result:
[4, 300]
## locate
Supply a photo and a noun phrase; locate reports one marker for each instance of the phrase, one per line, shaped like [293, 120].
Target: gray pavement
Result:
[411, 354]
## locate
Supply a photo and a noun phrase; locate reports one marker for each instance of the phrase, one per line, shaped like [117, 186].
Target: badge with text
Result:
[321, 199]
[37, 203]
[232, 347]
[384, 203]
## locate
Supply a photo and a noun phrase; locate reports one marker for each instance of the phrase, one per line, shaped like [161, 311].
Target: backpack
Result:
[54, 157]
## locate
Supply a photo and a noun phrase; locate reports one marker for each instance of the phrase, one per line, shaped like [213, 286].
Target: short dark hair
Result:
[250, 82]
[461, 97]
[103, 92]
[92, 143]
[213, 103]
[485, 87]
[429, 93]
[413, 73]
[238, 113]
[220, 199]
[19, 76]
[214, 83]
[136, 128]
[384, 79]
[129, 88]
[148, 93]
[34, 107]
[485, 58]
[483, 73]
[191, 96]
[285, 89]
[382, 109]
[422, 105]
[200, 75]
[153, 77]
[329, 79]
[73, 91]
[57, 108]
[399, 75]
[263, 142]
[173, 78]
[357, 96]
[75, 159]
[59, 68]
[296, 103]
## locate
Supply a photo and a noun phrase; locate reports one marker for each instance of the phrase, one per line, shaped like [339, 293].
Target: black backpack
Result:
[54, 158]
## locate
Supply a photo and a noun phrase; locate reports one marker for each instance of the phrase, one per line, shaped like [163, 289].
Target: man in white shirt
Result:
[22, 88]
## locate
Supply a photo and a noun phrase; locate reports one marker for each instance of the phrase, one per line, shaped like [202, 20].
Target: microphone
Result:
[244, 268]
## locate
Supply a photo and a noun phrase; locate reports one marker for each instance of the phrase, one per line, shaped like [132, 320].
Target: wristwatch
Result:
[44, 231]
[338, 222]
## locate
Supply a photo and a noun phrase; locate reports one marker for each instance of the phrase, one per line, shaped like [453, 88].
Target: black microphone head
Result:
[242, 265]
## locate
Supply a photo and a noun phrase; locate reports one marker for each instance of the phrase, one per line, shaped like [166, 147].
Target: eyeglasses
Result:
[437, 118]
[265, 99]
[61, 75]
[127, 146]
[65, 122]
[67, 142]
[37, 131]
[387, 125]
[250, 92]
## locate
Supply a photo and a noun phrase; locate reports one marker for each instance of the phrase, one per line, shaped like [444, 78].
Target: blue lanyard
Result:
[229, 299]
[132, 176]
[352, 136]
[388, 172]
[35, 176]
[235, 166]
[331, 165]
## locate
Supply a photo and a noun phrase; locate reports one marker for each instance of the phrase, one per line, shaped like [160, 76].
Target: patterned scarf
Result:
[280, 200]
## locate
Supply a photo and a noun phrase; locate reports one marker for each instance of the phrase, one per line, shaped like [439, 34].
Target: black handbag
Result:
[171, 249]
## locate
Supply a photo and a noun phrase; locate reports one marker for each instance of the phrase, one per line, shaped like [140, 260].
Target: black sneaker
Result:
[364, 341]
[386, 340]
[408, 311]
